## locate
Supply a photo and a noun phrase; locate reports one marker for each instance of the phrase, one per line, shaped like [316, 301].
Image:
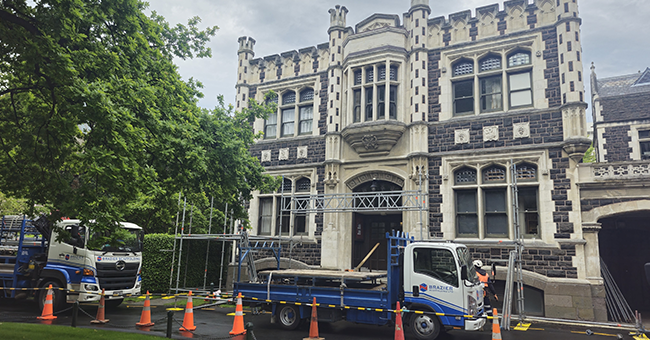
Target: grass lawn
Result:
[10, 330]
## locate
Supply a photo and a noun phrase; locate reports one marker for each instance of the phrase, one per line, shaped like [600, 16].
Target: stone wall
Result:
[626, 108]
[617, 143]
[550, 262]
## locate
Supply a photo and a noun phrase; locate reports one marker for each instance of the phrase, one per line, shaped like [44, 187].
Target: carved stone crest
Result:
[369, 142]
[266, 156]
[284, 154]
[490, 133]
[521, 130]
[302, 152]
[462, 136]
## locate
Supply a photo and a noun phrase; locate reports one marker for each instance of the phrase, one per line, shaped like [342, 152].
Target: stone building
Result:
[615, 200]
[460, 107]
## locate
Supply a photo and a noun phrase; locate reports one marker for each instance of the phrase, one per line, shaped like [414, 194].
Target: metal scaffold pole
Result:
[207, 250]
[223, 243]
[180, 247]
[187, 257]
[519, 245]
[171, 272]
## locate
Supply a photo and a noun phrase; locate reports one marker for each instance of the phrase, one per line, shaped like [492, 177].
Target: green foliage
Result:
[98, 124]
[17, 206]
[157, 260]
[590, 155]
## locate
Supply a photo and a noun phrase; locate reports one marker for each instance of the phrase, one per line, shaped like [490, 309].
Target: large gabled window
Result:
[294, 116]
[484, 201]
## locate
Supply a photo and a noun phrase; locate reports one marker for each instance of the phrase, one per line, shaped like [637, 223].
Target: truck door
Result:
[71, 251]
[436, 276]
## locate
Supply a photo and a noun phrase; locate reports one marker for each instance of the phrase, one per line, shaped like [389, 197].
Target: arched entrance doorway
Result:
[370, 227]
[623, 245]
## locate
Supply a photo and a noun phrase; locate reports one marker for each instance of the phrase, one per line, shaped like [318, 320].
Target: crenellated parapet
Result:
[337, 16]
[492, 21]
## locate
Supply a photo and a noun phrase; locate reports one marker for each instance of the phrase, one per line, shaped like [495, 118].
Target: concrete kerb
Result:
[623, 327]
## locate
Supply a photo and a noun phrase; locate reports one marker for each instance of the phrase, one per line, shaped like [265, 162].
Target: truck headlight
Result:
[471, 305]
[91, 288]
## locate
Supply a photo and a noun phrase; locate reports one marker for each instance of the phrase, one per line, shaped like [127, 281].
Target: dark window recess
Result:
[496, 218]
[464, 97]
[569, 47]
[572, 86]
[303, 185]
[393, 102]
[528, 210]
[491, 97]
[357, 77]
[368, 107]
[381, 102]
[466, 216]
[570, 66]
[266, 216]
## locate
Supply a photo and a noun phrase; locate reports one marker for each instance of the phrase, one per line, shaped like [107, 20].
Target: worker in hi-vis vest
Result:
[488, 285]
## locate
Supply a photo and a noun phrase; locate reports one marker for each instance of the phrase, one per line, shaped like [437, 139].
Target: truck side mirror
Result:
[647, 272]
[463, 272]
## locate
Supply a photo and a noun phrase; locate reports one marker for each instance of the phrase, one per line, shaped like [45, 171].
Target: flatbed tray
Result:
[325, 274]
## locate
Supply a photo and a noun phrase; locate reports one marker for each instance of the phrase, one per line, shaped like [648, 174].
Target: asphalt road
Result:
[215, 324]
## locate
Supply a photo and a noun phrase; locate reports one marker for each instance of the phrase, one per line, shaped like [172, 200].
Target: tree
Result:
[96, 121]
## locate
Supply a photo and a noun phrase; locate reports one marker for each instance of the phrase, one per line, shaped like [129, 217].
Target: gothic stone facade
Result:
[460, 99]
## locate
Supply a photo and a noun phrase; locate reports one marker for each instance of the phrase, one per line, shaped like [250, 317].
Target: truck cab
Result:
[438, 277]
[85, 270]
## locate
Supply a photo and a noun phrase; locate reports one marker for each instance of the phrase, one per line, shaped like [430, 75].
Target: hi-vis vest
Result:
[484, 280]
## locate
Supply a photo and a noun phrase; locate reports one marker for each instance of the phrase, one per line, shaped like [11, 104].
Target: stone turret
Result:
[416, 22]
[337, 16]
[244, 55]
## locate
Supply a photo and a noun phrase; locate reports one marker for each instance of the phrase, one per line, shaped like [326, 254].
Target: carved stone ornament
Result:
[284, 154]
[521, 130]
[373, 138]
[462, 136]
[369, 142]
[266, 156]
[490, 133]
[302, 152]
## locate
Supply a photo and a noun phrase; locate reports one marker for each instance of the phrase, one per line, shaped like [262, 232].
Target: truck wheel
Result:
[58, 296]
[425, 327]
[113, 303]
[289, 317]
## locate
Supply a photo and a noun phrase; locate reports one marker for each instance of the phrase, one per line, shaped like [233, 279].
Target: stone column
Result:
[592, 254]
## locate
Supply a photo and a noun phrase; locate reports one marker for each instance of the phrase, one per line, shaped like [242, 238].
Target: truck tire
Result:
[113, 303]
[289, 317]
[424, 326]
[58, 296]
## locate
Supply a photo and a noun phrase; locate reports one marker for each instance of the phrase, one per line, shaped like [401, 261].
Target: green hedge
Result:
[157, 259]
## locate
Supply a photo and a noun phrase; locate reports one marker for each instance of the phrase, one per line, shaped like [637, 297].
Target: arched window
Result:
[287, 185]
[303, 185]
[518, 59]
[465, 176]
[526, 172]
[494, 174]
[289, 98]
[464, 67]
[307, 95]
[490, 63]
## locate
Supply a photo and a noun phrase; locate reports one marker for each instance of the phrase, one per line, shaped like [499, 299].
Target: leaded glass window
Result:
[494, 174]
[463, 68]
[490, 63]
[303, 185]
[393, 73]
[357, 77]
[466, 176]
[287, 185]
[518, 59]
[307, 95]
[289, 98]
[526, 172]
[382, 72]
[370, 75]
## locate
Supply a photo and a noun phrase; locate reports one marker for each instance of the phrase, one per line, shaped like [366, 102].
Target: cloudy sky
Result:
[615, 34]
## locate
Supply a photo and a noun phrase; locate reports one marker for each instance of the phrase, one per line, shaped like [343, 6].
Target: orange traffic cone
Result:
[238, 325]
[313, 327]
[399, 328]
[48, 310]
[100, 311]
[188, 319]
[496, 330]
[145, 318]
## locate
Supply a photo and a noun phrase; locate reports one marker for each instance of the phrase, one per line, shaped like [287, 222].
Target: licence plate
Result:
[117, 293]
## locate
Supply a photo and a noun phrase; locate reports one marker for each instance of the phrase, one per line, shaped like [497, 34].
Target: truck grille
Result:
[112, 279]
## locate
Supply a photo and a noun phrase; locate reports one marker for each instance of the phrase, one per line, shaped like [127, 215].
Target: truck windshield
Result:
[128, 240]
[466, 260]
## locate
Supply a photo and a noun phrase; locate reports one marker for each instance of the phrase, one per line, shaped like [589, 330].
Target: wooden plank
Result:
[366, 258]
[321, 273]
